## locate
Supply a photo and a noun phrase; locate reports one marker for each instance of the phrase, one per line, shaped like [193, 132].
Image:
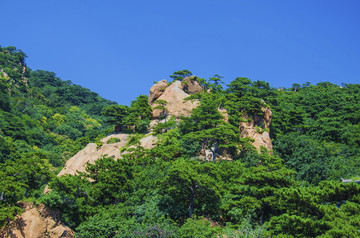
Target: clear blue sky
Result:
[118, 48]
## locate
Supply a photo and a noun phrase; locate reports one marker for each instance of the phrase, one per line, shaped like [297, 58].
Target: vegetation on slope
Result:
[167, 191]
[43, 122]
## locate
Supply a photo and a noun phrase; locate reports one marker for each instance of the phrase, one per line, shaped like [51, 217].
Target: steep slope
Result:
[43, 122]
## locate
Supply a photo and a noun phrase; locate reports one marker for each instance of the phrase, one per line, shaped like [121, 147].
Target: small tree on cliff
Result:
[139, 114]
[180, 75]
[116, 115]
[161, 105]
[207, 126]
[215, 83]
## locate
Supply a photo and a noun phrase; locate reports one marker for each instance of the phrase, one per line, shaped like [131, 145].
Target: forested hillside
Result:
[43, 122]
[295, 190]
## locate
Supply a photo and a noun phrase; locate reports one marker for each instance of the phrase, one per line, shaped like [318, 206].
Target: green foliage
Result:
[139, 115]
[328, 209]
[161, 105]
[4, 96]
[180, 75]
[188, 188]
[168, 147]
[206, 125]
[113, 140]
[198, 227]
[43, 122]
[215, 83]
[317, 160]
[116, 115]
[119, 221]
[13, 68]
[110, 180]
[162, 127]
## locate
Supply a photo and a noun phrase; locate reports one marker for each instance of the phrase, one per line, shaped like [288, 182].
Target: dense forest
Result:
[167, 191]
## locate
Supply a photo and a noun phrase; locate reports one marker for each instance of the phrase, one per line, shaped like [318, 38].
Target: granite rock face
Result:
[174, 95]
[92, 152]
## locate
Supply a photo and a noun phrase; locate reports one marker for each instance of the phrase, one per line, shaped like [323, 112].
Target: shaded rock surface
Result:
[191, 86]
[35, 222]
[156, 90]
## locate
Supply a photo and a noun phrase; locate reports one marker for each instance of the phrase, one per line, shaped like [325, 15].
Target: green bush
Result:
[113, 140]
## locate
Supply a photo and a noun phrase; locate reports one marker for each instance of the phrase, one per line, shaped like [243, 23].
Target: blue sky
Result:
[119, 48]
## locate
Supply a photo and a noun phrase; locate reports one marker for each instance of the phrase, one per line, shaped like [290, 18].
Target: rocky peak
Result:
[174, 94]
[256, 127]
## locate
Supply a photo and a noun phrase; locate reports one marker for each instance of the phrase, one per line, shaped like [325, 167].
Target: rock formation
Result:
[36, 222]
[156, 90]
[92, 152]
[191, 86]
[258, 128]
[174, 95]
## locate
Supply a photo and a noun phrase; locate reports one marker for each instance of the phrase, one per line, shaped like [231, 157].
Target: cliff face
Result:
[258, 128]
[37, 222]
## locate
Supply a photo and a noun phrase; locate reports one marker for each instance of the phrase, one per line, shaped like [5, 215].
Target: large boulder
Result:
[157, 89]
[37, 221]
[191, 85]
[176, 106]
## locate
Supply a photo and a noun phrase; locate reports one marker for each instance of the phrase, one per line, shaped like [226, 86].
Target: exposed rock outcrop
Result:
[37, 222]
[92, 152]
[258, 129]
[157, 89]
[174, 95]
[149, 141]
[191, 86]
